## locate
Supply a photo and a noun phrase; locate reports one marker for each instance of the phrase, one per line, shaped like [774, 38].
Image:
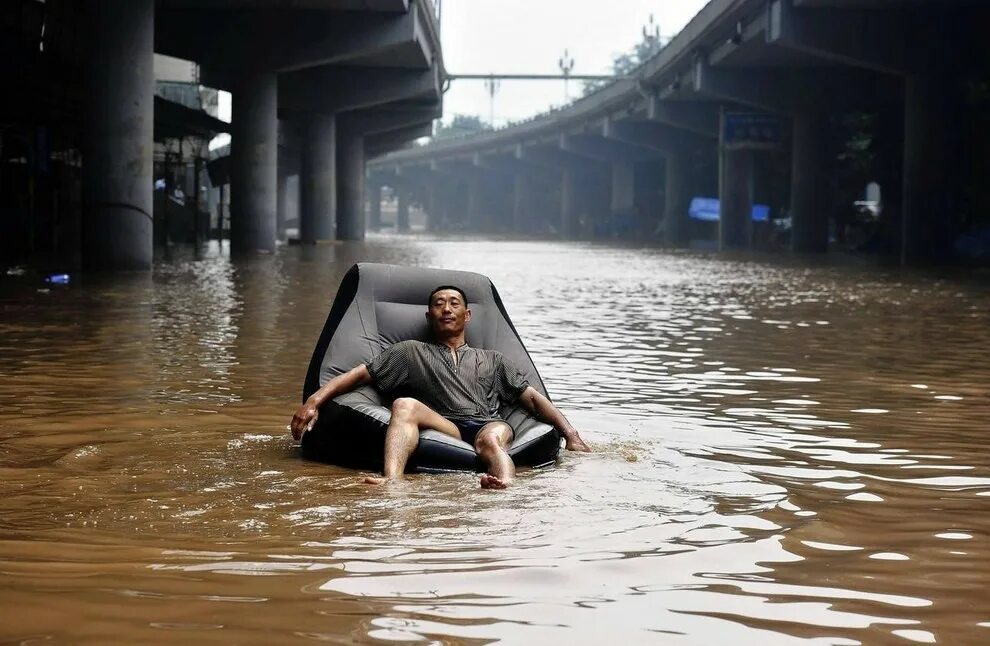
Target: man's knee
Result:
[493, 438]
[405, 407]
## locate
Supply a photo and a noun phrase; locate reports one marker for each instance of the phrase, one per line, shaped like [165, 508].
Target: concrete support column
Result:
[118, 135]
[676, 197]
[350, 186]
[623, 186]
[317, 182]
[570, 204]
[931, 138]
[473, 215]
[519, 186]
[402, 211]
[809, 211]
[282, 206]
[375, 207]
[736, 199]
[253, 164]
[432, 207]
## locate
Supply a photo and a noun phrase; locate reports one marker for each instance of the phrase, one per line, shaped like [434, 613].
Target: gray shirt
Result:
[472, 389]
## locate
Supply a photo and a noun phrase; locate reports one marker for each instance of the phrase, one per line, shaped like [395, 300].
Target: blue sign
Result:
[750, 130]
[707, 209]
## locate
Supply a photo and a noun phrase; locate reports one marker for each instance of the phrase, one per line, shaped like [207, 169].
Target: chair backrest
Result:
[377, 305]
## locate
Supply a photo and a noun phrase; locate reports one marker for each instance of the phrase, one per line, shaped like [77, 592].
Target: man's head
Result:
[447, 311]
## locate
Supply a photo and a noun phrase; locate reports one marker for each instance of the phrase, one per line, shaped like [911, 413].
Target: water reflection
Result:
[784, 453]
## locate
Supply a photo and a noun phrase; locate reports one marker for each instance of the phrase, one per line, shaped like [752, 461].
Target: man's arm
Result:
[305, 417]
[545, 411]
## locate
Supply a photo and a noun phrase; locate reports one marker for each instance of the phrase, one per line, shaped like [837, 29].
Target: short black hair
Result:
[429, 301]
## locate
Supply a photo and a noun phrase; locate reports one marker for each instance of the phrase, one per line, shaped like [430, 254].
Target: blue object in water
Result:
[58, 279]
[707, 209]
[704, 209]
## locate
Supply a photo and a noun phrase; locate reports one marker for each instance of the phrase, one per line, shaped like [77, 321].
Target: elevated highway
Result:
[332, 80]
[677, 129]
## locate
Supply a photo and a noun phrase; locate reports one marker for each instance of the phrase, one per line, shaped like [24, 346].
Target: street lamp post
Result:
[491, 84]
[566, 64]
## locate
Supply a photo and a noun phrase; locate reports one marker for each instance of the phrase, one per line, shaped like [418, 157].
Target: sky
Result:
[530, 36]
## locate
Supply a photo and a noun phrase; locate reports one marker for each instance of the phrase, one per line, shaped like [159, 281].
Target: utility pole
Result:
[491, 84]
[566, 64]
[651, 36]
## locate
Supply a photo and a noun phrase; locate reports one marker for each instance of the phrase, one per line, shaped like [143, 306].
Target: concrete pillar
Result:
[736, 199]
[402, 211]
[473, 211]
[253, 164]
[281, 208]
[809, 210]
[676, 200]
[350, 186]
[623, 193]
[518, 202]
[117, 135]
[317, 182]
[375, 207]
[931, 138]
[623, 186]
[570, 204]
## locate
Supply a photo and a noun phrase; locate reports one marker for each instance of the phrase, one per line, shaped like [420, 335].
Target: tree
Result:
[462, 124]
[625, 64]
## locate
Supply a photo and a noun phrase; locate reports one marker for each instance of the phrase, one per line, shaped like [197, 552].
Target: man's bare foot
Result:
[575, 443]
[488, 481]
[375, 481]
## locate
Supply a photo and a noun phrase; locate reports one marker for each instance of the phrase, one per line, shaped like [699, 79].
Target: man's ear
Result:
[467, 316]
[427, 316]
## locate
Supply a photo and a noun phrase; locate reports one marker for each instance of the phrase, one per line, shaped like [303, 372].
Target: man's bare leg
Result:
[408, 417]
[491, 445]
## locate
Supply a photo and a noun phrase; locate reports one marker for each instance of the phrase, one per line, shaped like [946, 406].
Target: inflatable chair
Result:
[378, 305]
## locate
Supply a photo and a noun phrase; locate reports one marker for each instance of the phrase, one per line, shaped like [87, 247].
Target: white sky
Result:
[529, 36]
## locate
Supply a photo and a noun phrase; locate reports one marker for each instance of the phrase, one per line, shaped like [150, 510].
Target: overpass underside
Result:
[792, 104]
[317, 87]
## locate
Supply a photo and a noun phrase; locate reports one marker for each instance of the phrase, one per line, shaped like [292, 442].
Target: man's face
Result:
[448, 313]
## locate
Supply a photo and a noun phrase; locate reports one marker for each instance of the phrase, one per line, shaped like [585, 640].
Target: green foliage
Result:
[625, 64]
[462, 124]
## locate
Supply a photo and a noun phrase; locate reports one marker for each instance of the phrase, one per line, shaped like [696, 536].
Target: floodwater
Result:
[785, 453]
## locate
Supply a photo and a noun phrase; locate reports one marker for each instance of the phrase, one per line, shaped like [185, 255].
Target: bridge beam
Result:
[606, 150]
[379, 143]
[869, 38]
[553, 157]
[699, 118]
[652, 135]
[320, 87]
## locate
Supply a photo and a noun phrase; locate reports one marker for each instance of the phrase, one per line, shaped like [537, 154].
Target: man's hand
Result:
[304, 419]
[541, 407]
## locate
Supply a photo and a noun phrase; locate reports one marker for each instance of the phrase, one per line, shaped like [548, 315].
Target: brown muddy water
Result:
[785, 454]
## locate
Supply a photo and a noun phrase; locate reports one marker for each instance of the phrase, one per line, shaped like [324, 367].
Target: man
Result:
[455, 389]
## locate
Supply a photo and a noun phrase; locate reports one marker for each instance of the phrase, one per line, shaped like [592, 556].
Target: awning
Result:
[174, 120]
